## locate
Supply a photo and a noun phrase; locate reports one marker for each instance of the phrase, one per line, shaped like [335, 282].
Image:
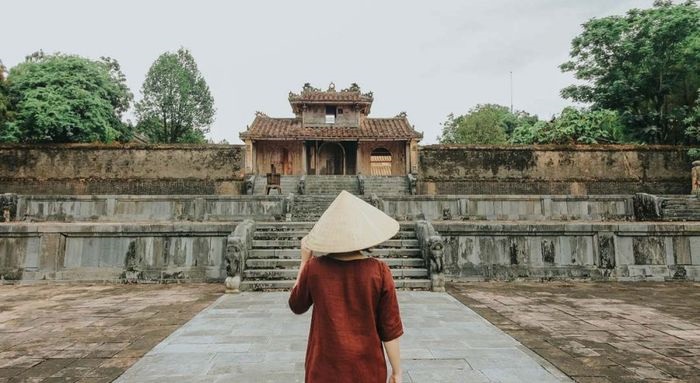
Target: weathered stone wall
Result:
[144, 208]
[574, 170]
[121, 169]
[218, 169]
[619, 251]
[475, 250]
[509, 207]
[108, 251]
[207, 208]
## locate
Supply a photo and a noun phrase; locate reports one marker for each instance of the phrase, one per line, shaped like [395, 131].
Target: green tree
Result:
[644, 65]
[66, 98]
[4, 100]
[573, 126]
[693, 131]
[177, 105]
[483, 124]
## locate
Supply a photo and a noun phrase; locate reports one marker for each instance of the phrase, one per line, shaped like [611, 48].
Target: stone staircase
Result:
[386, 185]
[289, 184]
[680, 208]
[273, 261]
[308, 208]
[331, 185]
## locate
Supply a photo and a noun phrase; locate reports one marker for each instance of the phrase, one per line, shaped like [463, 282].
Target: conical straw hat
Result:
[350, 224]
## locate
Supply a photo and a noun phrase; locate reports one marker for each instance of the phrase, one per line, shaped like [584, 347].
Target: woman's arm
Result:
[300, 298]
[305, 256]
[394, 354]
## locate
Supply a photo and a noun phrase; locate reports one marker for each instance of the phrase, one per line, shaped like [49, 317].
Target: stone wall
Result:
[509, 207]
[144, 208]
[113, 251]
[618, 251]
[121, 169]
[218, 169]
[577, 170]
[194, 251]
[207, 208]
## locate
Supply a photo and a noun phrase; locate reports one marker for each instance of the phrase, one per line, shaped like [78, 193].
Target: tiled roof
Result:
[333, 96]
[264, 127]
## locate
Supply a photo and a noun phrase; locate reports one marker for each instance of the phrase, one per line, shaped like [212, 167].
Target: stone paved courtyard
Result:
[599, 332]
[89, 334]
[594, 332]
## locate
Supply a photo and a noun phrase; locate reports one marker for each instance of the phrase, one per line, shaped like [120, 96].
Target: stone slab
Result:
[254, 337]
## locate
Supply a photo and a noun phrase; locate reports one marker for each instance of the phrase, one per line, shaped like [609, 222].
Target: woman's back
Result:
[354, 310]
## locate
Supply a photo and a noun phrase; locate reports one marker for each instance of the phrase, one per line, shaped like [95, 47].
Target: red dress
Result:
[355, 309]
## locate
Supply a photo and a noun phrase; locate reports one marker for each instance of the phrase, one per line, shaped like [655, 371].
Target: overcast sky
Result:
[428, 58]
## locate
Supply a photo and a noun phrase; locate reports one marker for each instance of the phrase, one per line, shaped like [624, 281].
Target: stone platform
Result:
[254, 337]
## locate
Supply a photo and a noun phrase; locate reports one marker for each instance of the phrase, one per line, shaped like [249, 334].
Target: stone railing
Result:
[301, 187]
[361, 184]
[412, 183]
[288, 206]
[8, 207]
[250, 185]
[432, 247]
[647, 207]
[375, 201]
[238, 244]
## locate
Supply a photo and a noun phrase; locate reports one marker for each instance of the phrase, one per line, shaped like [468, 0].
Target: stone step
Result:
[269, 274]
[294, 253]
[299, 234]
[413, 284]
[294, 263]
[283, 226]
[277, 243]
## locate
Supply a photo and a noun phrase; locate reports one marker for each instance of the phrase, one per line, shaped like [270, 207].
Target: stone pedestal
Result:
[233, 284]
[696, 177]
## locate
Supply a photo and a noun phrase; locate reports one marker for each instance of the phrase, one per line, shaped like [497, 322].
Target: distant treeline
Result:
[639, 74]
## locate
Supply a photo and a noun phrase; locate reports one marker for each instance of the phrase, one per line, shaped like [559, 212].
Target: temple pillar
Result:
[414, 156]
[249, 156]
[407, 157]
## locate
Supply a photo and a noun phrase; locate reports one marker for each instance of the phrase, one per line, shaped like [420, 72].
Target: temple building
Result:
[331, 133]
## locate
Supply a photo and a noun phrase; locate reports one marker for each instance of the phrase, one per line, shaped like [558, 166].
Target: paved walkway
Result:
[253, 337]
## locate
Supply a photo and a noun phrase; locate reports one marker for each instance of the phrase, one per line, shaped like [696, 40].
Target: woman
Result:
[355, 309]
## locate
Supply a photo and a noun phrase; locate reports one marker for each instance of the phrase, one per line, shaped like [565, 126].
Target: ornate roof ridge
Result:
[308, 90]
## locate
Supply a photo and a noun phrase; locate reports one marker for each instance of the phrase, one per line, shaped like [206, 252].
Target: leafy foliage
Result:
[177, 105]
[5, 113]
[693, 131]
[66, 98]
[573, 126]
[483, 124]
[645, 66]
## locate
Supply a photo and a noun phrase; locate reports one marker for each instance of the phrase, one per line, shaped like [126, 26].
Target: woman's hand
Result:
[395, 377]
